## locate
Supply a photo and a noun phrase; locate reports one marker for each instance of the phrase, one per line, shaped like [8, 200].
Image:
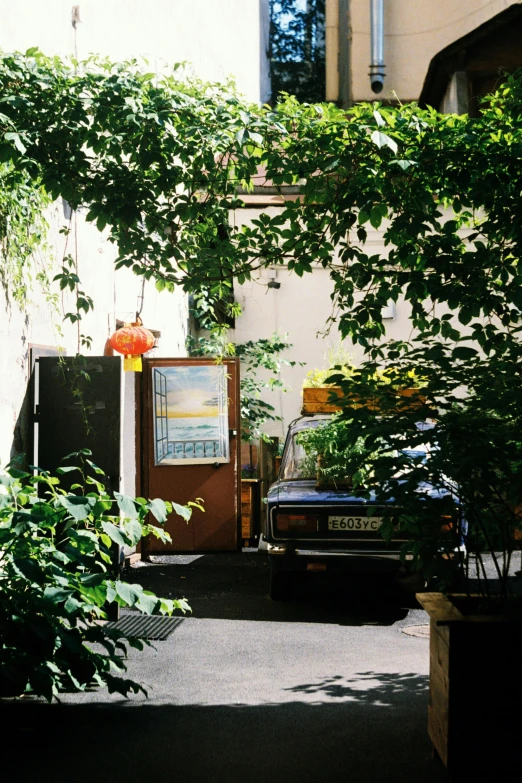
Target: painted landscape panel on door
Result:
[191, 414]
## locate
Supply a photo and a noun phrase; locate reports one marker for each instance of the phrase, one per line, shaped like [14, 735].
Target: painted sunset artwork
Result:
[190, 414]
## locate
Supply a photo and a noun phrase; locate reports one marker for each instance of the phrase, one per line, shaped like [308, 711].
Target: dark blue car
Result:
[311, 528]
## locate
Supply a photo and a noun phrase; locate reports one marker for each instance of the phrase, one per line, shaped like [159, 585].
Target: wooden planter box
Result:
[322, 399]
[474, 713]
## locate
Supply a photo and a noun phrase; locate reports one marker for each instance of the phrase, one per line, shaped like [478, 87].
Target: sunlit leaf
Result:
[383, 140]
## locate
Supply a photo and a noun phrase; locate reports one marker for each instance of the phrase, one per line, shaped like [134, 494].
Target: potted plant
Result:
[319, 394]
[323, 393]
[454, 468]
[323, 389]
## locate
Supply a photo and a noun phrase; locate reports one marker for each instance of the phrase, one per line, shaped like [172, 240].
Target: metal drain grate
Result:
[146, 627]
[417, 630]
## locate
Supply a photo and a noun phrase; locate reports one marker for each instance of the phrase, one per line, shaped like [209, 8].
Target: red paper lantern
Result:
[132, 340]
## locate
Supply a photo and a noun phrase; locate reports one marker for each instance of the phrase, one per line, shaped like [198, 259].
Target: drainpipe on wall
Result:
[344, 64]
[377, 67]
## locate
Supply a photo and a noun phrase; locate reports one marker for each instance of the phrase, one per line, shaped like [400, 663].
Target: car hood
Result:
[302, 491]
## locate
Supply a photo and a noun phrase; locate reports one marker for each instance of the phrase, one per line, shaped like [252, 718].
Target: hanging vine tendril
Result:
[23, 229]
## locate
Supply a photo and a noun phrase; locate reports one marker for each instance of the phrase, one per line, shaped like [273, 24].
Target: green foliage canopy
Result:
[160, 161]
[22, 232]
[451, 453]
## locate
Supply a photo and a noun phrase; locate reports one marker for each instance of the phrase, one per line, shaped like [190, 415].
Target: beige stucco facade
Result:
[414, 32]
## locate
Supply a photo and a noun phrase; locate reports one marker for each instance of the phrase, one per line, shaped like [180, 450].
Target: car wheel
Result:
[280, 585]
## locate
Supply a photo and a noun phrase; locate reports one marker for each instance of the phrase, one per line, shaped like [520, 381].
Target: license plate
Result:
[354, 524]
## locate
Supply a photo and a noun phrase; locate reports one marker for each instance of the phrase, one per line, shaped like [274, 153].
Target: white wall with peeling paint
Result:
[219, 40]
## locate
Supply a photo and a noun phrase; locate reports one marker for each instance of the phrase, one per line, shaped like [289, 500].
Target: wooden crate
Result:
[473, 714]
[250, 510]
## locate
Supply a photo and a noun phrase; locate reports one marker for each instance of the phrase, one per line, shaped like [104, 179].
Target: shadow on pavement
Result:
[370, 729]
[383, 689]
[233, 586]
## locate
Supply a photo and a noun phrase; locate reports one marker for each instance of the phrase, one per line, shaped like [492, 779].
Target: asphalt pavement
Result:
[329, 686]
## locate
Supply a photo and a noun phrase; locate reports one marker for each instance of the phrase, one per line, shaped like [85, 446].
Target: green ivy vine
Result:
[23, 230]
[161, 161]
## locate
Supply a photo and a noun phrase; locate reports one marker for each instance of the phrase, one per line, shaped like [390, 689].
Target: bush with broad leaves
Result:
[58, 575]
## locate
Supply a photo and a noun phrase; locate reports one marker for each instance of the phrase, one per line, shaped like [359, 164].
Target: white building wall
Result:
[219, 39]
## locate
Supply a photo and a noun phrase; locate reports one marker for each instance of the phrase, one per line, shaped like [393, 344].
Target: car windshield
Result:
[298, 464]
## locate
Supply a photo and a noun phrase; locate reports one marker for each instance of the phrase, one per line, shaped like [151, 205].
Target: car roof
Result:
[305, 422]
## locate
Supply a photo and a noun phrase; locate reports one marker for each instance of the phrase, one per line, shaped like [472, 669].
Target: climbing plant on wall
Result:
[161, 160]
[261, 363]
[22, 232]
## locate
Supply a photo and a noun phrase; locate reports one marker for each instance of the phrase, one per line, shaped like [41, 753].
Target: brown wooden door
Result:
[190, 437]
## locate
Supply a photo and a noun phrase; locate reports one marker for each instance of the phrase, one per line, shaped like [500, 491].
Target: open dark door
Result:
[78, 405]
[190, 433]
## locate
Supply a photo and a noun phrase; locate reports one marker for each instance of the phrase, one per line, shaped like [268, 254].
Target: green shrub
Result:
[58, 575]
